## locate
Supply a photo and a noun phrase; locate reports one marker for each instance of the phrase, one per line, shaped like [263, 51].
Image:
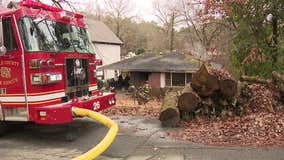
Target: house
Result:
[106, 44]
[161, 71]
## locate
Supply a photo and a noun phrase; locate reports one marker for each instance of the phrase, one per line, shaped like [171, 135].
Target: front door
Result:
[12, 96]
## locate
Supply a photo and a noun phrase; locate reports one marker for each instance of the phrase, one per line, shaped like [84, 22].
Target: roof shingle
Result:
[157, 63]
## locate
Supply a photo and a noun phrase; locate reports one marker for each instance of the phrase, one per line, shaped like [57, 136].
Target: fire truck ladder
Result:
[108, 139]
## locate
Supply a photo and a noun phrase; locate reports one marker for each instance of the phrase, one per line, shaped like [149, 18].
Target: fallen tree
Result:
[170, 115]
[218, 91]
[253, 79]
[228, 88]
[214, 92]
[204, 83]
[188, 100]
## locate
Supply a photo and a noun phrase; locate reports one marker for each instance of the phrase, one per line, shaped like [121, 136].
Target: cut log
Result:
[207, 102]
[170, 115]
[277, 77]
[206, 106]
[254, 79]
[229, 88]
[278, 82]
[204, 83]
[188, 100]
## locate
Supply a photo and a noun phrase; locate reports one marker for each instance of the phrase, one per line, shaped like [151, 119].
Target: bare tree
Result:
[118, 10]
[4, 3]
[169, 17]
[204, 29]
[93, 8]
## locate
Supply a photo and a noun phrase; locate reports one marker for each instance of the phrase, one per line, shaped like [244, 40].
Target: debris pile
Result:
[211, 92]
[126, 106]
[258, 98]
[256, 129]
[217, 109]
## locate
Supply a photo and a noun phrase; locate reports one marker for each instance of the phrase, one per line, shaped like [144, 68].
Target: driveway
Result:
[138, 139]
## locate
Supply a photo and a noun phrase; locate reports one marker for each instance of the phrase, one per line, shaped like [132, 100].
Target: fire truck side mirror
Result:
[99, 62]
[2, 47]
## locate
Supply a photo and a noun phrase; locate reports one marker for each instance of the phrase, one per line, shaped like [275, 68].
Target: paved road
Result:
[138, 139]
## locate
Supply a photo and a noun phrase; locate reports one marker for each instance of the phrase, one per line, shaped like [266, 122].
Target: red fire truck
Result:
[47, 65]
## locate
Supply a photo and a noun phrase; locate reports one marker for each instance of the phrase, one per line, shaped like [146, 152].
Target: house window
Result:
[168, 79]
[177, 79]
[188, 77]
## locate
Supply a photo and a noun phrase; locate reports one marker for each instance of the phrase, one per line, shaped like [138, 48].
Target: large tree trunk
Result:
[188, 100]
[170, 114]
[204, 83]
[228, 88]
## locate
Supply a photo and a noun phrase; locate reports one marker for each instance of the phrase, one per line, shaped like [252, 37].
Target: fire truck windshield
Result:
[51, 36]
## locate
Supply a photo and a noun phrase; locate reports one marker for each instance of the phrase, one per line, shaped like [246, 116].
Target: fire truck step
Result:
[15, 114]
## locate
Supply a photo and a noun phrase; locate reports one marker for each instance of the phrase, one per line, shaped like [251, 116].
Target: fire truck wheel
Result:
[72, 133]
[3, 129]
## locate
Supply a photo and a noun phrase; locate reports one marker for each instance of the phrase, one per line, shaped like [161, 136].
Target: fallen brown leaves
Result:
[221, 74]
[260, 99]
[125, 106]
[262, 123]
[258, 129]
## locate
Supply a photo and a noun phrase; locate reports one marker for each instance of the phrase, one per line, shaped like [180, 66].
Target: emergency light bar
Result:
[39, 5]
[67, 16]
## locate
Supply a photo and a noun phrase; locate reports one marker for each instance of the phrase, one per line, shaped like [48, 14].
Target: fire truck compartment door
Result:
[12, 92]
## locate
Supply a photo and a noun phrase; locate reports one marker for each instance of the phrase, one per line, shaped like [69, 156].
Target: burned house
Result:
[161, 71]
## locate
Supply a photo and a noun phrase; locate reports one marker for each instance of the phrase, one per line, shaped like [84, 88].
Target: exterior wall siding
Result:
[155, 80]
[109, 53]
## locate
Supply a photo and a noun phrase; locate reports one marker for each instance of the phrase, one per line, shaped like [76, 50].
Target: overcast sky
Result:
[142, 8]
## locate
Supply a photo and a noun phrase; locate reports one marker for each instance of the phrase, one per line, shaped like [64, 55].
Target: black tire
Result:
[3, 129]
[72, 133]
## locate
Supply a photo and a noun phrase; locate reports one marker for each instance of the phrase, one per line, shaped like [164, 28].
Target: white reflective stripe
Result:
[33, 98]
[107, 93]
[46, 97]
[13, 99]
[93, 88]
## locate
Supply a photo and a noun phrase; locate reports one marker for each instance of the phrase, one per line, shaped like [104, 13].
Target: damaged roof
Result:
[172, 62]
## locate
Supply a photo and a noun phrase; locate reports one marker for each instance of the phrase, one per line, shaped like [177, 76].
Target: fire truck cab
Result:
[47, 65]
